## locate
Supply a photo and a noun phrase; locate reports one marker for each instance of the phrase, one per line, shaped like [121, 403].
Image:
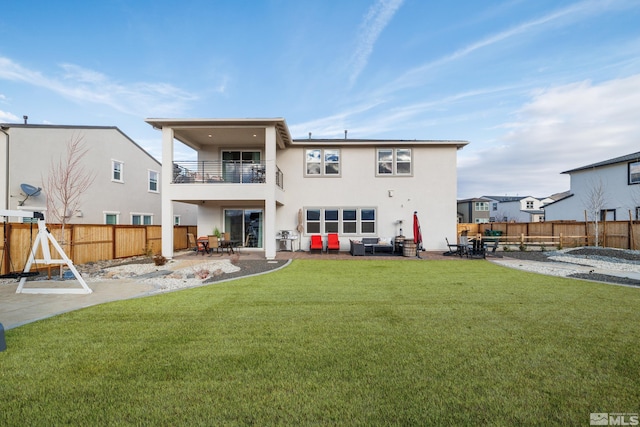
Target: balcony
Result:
[222, 172]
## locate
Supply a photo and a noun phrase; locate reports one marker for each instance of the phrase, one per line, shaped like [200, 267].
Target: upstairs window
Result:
[394, 161]
[634, 173]
[322, 162]
[529, 204]
[153, 181]
[482, 206]
[117, 171]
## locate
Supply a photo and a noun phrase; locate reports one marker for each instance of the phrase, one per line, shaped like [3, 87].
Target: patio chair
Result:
[316, 243]
[464, 245]
[453, 249]
[191, 242]
[333, 243]
[214, 243]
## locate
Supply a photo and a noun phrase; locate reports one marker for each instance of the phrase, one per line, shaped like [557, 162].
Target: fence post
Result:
[560, 242]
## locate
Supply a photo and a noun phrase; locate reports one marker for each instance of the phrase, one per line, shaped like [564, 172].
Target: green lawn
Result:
[321, 342]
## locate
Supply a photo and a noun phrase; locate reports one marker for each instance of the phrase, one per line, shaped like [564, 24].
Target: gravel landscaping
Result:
[607, 258]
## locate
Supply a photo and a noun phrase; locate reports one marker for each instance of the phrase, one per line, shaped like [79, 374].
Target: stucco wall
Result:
[431, 191]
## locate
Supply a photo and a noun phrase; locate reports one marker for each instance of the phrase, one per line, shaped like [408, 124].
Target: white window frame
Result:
[394, 162]
[107, 213]
[176, 220]
[150, 174]
[324, 166]
[325, 223]
[634, 173]
[113, 171]
[481, 206]
[142, 216]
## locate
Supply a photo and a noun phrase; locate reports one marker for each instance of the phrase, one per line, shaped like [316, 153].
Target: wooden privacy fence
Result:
[564, 234]
[85, 243]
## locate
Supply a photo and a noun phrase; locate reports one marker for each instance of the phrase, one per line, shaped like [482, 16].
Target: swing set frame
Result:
[43, 239]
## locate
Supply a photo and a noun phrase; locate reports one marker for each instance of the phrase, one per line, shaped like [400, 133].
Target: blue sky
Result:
[536, 87]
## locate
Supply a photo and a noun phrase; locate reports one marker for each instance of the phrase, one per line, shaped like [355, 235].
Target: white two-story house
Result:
[608, 190]
[515, 208]
[253, 180]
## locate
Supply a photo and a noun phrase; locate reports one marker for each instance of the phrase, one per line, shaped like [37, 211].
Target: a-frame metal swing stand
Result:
[43, 239]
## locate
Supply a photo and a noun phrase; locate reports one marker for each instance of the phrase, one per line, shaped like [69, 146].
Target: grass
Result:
[336, 342]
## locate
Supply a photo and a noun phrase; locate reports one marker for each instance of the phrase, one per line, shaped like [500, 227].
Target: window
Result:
[634, 173]
[607, 214]
[349, 221]
[637, 213]
[153, 181]
[313, 221]
[482, 220]
[331, 221]
[111, 218]
[495, 206]
[322, 162]
[368, 217]
[529, 204]
[117, 169]
[340, 220]
[176, 220]
[394, 161]
[141, 219]
[482, 206]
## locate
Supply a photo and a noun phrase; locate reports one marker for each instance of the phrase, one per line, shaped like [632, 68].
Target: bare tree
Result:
[68, 180]
[595, 200]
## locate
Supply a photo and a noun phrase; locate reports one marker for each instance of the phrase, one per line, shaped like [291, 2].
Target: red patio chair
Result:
[333, 243]
[316, 243]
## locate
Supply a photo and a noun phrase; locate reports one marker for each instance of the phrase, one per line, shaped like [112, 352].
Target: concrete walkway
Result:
[18, 309]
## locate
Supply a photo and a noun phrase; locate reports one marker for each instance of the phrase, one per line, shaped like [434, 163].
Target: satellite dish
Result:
[29, 191]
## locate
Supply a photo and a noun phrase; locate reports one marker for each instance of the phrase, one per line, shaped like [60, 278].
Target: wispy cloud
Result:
[84, 85]
[374, 22]
[8, 117]
[563, 16]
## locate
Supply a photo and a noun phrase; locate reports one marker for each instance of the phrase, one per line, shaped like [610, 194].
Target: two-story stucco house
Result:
[126, 179]
[612, 187]
[474, 210]
[253, 180]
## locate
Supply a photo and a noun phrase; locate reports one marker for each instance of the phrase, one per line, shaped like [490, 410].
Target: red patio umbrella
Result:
[417, 233]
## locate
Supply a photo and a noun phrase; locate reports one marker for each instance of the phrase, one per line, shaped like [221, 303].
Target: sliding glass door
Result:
[245, 226]
[240, 166]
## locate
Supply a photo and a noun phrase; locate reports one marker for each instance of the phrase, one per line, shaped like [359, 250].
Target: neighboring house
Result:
[474, 210]
[610, 187]
[126, 187]
[252, 180]
[515, 208]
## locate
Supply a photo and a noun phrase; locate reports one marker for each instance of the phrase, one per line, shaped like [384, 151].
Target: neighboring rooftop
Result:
[633, 157]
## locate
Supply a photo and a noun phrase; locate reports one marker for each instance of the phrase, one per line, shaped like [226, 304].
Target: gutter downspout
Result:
[6, 200]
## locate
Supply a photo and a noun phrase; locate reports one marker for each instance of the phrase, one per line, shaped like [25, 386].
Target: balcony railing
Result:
[221, 172]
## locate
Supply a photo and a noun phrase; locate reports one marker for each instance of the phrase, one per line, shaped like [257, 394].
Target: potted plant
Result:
[217, 233]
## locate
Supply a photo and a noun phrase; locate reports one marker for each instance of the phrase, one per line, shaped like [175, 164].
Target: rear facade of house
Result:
[252, 180]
